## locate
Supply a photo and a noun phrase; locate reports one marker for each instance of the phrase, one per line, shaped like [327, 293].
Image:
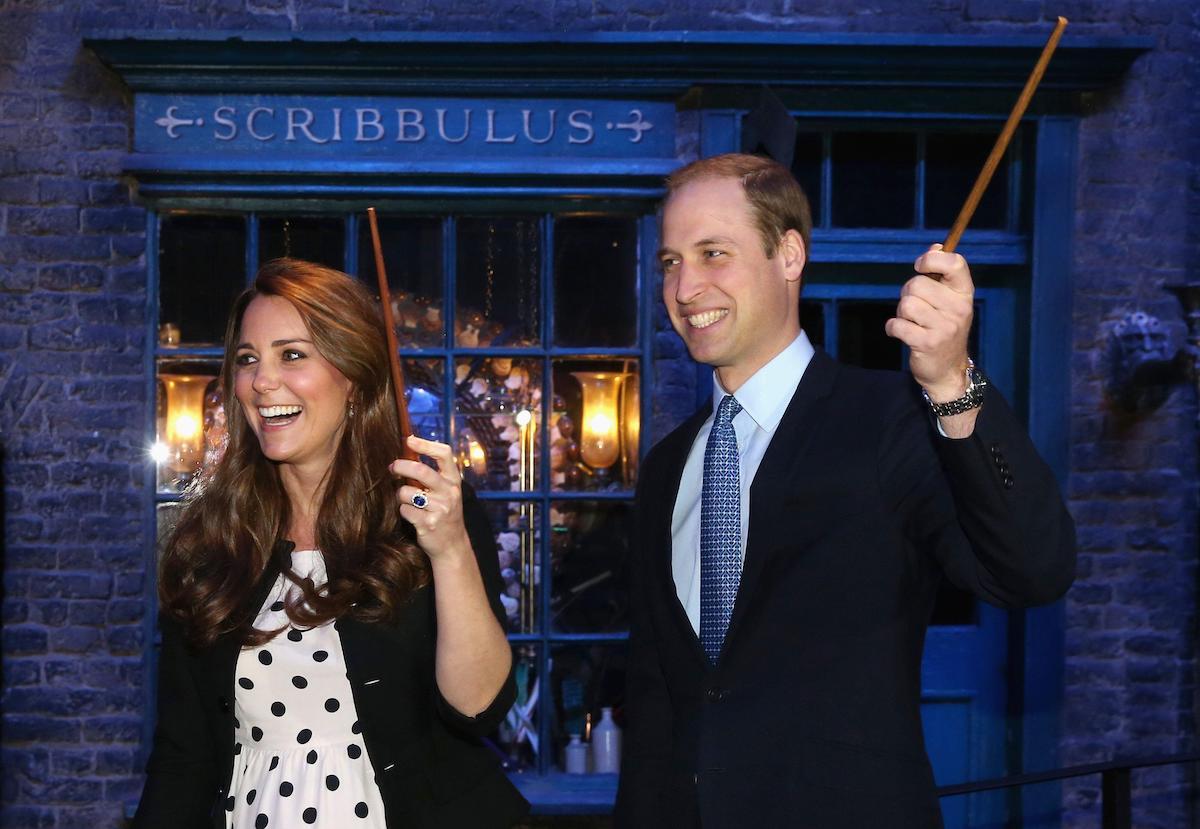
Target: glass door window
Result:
[523, 342]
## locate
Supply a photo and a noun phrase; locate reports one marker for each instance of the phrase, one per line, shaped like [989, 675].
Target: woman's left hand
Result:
[439, 524]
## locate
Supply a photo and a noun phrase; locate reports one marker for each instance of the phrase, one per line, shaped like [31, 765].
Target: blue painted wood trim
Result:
[655, 63]
[336, 187]
[720, 132]
[545, 707]
[530, 352]
[647, 271]
[150, 485]
[1049, 426]
[155, 165]
[556, 793]
[350, 241]
[251, 259]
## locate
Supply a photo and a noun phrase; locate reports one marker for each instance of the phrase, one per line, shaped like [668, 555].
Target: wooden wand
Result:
[1010, 127]
[389, 324]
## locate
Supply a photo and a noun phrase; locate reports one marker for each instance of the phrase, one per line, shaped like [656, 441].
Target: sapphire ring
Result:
[420, 500]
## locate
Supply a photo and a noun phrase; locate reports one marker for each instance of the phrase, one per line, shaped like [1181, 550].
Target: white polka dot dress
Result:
[300, 759]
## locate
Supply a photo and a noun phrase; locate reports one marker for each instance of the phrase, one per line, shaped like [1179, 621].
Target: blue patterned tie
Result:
[720, 529]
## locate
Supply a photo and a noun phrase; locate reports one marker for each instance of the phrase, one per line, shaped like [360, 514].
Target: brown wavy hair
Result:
[234, 522]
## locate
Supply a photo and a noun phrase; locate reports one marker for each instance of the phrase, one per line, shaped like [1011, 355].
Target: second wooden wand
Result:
[1010, 127]
[389, 324]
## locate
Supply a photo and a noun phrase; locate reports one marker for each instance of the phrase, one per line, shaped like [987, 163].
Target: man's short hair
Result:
[776, 198]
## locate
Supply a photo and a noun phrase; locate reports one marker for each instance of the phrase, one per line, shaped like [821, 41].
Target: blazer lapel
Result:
[223, 655]
[791, 441]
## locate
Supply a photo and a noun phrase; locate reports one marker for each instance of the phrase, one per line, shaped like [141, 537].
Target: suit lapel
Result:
[675, 452]
[790, 443]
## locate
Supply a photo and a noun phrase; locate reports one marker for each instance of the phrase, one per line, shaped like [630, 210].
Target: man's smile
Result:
[706, 318]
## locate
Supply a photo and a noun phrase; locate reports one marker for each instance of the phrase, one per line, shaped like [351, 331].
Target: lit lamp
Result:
[600, 436]
[471, 455]
[181, 436]
[631, 424]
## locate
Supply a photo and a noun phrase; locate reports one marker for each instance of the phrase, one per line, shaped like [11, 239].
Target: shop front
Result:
[517, 180]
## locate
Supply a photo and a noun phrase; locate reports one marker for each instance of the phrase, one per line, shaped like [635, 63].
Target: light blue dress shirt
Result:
[764, 398]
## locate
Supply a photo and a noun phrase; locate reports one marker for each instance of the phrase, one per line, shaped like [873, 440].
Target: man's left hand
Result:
[933, 319]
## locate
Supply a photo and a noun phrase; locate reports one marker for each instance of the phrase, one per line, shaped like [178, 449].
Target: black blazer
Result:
[430, 766]
[811, 717]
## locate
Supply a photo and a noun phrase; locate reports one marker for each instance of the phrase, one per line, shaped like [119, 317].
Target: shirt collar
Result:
[766, 394]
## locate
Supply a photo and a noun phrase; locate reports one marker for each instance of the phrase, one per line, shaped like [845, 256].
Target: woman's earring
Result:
[351, 412]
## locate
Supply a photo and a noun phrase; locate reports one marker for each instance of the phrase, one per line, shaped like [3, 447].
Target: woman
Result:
[332, 649]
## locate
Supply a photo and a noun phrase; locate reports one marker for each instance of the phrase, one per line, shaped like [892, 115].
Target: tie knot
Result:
[728, 409]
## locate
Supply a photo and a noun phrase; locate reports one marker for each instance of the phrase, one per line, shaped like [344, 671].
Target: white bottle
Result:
[576, 756]
[606, 744]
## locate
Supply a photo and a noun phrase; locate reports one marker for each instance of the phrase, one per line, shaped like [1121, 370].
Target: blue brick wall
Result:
[1131, 619]
[72, 274]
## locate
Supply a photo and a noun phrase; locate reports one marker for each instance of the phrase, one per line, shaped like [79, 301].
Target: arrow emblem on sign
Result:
[637, 126]
[172, 122]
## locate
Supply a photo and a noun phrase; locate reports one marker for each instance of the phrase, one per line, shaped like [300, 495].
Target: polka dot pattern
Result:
[300, 758]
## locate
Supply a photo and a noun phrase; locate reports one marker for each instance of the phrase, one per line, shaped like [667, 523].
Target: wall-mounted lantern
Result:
[600, 435]
[182, 421]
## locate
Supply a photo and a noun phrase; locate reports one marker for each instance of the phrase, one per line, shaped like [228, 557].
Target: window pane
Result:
[516, 524]
[595, 424]
[586, 679]
[806, 167]
[412, 257]
[952, 163]
[861, 338]
[497, 406]
[190, 420]
[812, 320]
[499, 284]
[201, 270]
[517, 736]
[320, 239]
[424, 392]
[874, 179]
[595, 282]
[589, 548]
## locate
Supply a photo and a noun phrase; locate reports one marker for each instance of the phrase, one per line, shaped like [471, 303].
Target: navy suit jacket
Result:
[811, 716]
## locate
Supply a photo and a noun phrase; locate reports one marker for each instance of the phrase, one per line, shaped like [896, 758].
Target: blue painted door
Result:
[963, 674]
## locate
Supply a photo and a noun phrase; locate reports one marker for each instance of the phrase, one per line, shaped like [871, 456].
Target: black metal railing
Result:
[1116, 784]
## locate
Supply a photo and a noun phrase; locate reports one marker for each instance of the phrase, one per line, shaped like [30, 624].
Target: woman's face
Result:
[294, 399]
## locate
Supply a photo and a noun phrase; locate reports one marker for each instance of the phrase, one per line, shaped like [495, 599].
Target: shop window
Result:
[522, 344]
[314, 238]
[915, 176]
[874, 179]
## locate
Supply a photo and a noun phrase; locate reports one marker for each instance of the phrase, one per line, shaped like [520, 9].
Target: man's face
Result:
[734, 307]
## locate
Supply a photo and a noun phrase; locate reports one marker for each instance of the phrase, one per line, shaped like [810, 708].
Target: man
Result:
[781, 687]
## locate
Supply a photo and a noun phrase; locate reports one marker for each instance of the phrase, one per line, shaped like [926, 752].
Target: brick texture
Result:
[72, 391]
